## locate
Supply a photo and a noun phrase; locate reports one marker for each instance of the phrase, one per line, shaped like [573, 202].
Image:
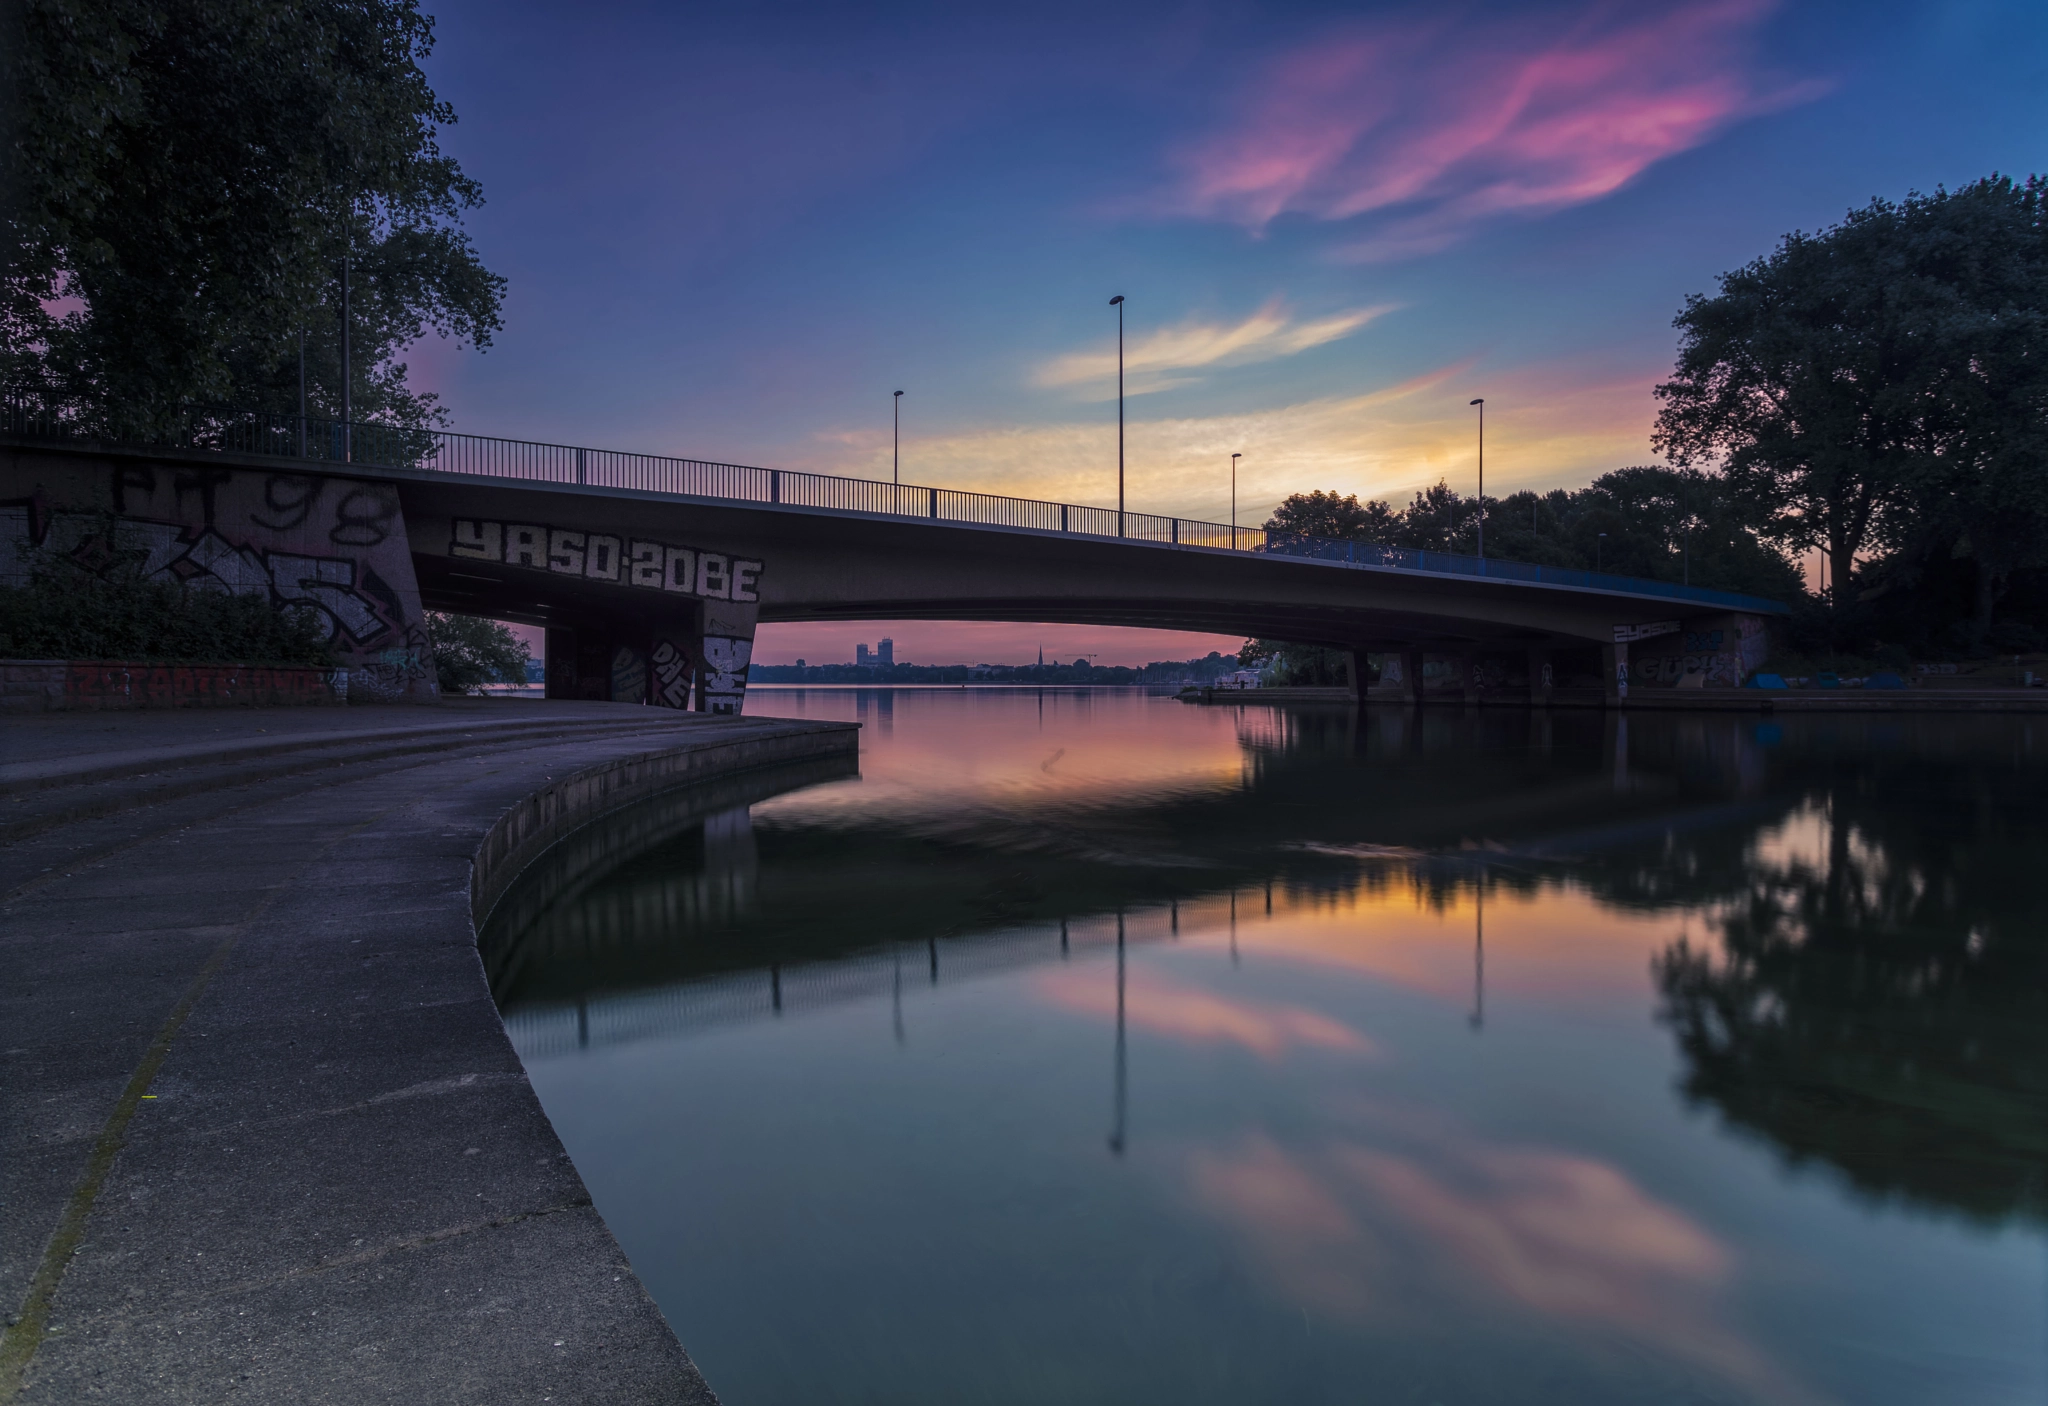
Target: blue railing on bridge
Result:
[388, 446]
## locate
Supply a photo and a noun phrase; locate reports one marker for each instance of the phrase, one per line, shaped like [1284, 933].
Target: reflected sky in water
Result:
[1094, 1047]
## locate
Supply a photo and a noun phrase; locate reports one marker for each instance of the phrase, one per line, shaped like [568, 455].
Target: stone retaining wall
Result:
[75, 685]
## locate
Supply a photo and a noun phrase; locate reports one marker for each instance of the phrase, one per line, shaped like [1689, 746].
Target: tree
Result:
[1329, 515]
[1806, 381]
[469, 652]
[1979, 271]
[1880, 381]
[184, 182]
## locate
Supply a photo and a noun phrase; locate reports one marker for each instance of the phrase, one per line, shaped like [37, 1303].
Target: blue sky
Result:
[730, 232]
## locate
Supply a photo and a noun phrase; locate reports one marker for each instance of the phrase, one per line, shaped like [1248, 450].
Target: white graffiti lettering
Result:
[671, 675]
[565, 552]
[327, 583]
[649, 565]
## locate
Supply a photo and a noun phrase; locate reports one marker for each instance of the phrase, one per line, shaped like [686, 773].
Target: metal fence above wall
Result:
[387, 446]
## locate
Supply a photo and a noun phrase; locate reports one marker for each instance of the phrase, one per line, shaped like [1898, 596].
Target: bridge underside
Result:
[1331, 626]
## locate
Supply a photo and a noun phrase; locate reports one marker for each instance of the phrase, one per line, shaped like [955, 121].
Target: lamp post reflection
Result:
[1116, 1135]
[896, 993]
[1478, 1016]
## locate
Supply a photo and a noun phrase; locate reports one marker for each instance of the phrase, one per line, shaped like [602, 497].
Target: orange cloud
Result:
[1151, 362]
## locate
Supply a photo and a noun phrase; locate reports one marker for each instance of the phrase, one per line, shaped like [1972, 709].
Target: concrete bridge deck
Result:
[264, 1137]
[652, 576]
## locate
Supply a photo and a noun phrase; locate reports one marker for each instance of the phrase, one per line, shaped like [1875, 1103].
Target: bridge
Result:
[651, 574]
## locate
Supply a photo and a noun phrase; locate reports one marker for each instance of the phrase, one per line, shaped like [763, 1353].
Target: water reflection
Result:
[1287, 932]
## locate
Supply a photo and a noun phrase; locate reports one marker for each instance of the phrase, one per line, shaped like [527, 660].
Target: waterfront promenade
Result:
[264, 1137]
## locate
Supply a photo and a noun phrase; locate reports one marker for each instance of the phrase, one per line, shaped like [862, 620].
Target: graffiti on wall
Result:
[597, 556]
[725, 672]
[1708, 657]
[670, 666]
[629, 675]
[108, 686]
[332, 549]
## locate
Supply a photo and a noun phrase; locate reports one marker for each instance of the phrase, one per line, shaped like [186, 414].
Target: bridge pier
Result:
[1468, 675]
[695, 659]
[1411, 674]
[1542, 676]
[1614, 680]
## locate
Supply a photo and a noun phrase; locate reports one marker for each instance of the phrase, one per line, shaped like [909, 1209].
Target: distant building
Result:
[860, 656]
[885, 652]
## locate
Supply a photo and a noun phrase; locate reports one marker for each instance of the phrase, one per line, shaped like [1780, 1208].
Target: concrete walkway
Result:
[262, 1138]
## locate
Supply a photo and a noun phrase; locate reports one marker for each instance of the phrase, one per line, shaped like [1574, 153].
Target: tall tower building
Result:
[885, 652]
[860, 656]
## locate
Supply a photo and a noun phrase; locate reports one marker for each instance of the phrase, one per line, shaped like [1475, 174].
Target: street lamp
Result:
[1118, 303]
[896, 454]
[1600, 553]
[1481, 403]
[1233, 500]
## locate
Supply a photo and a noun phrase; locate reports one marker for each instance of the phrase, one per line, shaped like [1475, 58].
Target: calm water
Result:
[1093, 1047]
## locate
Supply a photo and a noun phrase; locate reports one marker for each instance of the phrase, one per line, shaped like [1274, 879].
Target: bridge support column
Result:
[1468, 675]
[1542, 677]
[1614, 688]
[1411, 674]
[1358, 674]
[727, 654]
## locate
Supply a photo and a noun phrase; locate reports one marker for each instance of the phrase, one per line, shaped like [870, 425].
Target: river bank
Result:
[265, 1135]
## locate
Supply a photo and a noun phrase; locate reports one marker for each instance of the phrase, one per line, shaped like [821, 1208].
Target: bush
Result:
[69, 613]
[470, 652]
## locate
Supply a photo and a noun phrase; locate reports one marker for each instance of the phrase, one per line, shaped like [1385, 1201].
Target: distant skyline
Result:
[733, 234]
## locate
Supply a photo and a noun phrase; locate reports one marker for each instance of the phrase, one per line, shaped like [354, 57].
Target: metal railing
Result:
[388, 446]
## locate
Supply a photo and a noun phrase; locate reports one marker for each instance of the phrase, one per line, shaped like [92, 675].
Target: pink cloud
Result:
[1186, 1013]
[1437, 126]
[1457, 1225]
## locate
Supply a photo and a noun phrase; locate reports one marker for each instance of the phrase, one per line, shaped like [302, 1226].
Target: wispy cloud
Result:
[1158, 361]
[1434, 127]
[1558, 424]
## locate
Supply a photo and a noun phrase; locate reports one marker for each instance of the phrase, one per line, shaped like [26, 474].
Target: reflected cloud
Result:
[1359, 1232]
[1441, 125]
[1188, 1013]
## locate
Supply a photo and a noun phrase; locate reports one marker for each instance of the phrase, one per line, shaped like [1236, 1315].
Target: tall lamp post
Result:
[896, 452]
[1233, 500]
[1118, 303]
[347, 407]
[1481, 403]
[1600, 553]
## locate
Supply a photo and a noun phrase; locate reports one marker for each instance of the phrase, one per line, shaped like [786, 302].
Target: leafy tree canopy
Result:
[470, 652]
[1883, 383]
[183, 182]
[1660, 523]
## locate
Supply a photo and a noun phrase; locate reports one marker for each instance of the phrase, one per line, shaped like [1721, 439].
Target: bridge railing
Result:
[389, 446]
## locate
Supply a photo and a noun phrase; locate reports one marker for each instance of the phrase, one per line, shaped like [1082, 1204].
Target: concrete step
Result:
[41, 794]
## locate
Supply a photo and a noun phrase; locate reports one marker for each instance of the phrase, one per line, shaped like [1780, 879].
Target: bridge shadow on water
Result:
[1866, 988]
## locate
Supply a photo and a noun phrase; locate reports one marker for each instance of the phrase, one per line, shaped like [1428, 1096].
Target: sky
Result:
[731, 232]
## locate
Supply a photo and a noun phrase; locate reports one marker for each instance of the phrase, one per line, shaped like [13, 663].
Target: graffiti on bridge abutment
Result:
[597, 556]
[334, 549]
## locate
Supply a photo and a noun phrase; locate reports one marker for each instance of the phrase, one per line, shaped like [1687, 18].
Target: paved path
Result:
[262, 1138]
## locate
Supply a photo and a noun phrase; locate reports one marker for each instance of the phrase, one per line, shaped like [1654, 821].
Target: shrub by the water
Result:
[470, 652]
[69, 614]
